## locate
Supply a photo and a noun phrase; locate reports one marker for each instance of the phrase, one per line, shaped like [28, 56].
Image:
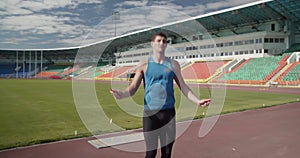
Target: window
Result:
[247, 42]
[210, 46]
[260, 51]
[219, 44]
[180, 49]
[195, 38]
[228, 44]
[259, 40]
[281, 40]
[200, 37]
[266, 40]
[272, 27]
[237, 43]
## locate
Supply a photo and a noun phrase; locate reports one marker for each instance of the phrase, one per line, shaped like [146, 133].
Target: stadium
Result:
[253, 48]
[264, 35]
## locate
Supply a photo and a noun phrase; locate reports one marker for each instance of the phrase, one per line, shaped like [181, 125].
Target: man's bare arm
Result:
[185, 89]
[133, 87]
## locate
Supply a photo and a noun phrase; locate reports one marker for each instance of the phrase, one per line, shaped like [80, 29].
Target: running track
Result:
[272, 132]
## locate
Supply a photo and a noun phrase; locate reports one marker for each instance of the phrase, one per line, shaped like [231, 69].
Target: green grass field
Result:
[39, 111]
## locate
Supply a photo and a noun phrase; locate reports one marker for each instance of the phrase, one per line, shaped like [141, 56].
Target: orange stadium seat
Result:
[115, 73]
[201, 70]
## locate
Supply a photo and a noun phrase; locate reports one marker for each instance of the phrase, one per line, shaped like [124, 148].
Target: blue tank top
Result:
[158, 82]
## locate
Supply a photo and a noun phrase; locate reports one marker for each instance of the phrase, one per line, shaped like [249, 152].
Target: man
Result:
[158, 73]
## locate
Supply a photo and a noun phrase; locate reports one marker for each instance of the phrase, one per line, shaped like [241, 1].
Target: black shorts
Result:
[159, 125]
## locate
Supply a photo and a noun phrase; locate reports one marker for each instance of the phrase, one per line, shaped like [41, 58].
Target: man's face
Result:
[159, 44]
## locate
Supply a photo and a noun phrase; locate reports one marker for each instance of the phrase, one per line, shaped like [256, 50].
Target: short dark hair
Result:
[158, 34]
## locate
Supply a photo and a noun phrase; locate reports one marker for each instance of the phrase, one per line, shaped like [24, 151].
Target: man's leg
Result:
[166, 151]
[168, 134]
[150, 135]
[151, 144]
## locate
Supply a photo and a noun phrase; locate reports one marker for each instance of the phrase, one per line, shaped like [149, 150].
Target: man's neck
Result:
[159, 57]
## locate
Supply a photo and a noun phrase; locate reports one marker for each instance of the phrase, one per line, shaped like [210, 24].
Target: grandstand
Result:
[256, 43]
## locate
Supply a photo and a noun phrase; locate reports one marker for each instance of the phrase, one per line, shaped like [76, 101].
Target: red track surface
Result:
[265, 133]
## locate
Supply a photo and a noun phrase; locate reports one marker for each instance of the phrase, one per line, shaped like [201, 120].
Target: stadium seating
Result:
[97, 72]
[201, 71]
[281, 64]
[6, 70]
[251, 71]
[116, 73]
[22, 71]
[256, 70]
[46, 74]
[291, 76]
[53, 70]
[56, 68]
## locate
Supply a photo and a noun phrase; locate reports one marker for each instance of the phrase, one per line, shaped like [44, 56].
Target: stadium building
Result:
[256, 43]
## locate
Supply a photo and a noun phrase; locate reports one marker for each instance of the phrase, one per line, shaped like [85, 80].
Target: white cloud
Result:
[46, 4]
[12, 7]
[19, 7]
[18, 16]
[31, 19]
[194, 10]
[36, 23]
[226, 3]
[132, 3]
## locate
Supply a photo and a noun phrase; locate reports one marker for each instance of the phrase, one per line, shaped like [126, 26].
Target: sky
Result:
[54, 24]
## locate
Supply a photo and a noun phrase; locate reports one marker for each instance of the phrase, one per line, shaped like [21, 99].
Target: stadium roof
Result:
[252, 14]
